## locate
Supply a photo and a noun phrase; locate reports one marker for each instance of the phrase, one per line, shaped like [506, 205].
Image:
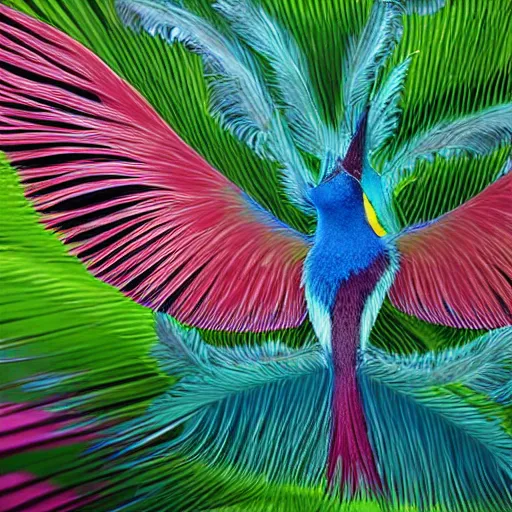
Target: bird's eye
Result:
[371, 217]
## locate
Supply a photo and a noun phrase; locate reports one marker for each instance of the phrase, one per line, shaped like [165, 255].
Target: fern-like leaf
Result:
[239, 98]
[266, 37]
[474, 135]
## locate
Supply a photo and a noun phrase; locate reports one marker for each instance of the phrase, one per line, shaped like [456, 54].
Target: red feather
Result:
[457, 270]
[140, 207]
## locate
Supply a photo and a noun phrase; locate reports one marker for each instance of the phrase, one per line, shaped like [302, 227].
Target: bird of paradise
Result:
[150, 216]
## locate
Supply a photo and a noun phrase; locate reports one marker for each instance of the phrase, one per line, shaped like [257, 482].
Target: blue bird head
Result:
[342, 187]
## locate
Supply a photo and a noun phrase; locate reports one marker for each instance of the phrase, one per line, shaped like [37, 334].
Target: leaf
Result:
[266, 37]
[57, 318]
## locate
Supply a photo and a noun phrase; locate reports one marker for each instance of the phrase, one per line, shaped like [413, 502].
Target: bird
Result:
[152, 218]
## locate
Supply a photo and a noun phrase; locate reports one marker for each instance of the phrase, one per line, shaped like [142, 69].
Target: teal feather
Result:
[364, 57]
[279, 399]
[473, 135]
[228, 396]
[296, 178]
[507, 167]
[239, 97]
[291, 75]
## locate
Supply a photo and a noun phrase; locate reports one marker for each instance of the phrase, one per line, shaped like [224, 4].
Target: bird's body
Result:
[343, 269]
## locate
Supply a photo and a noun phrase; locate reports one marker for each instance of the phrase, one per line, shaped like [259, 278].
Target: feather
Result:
[507, 167]
[426, 408]
[231, 404]
[296, 177]
[483, 365]
[226, 397]
[474, 135]
[239, 98]
[384, 113]
[365, 56]
[266, 37]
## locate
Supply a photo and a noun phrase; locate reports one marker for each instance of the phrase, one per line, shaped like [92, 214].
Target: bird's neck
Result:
[345, 242]
[344, 268]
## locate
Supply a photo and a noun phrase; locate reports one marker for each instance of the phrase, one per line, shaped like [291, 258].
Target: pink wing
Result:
[457, 270]
[144, 211]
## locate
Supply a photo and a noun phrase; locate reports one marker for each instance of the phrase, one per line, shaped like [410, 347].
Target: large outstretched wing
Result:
[457, 270]
[144, 211]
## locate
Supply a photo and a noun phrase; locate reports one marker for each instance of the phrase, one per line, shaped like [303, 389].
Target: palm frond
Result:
[365, 55]
[475, 135]
[265, 36]
[434, 188]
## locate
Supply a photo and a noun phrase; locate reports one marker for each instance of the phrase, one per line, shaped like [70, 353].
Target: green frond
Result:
[61, 320]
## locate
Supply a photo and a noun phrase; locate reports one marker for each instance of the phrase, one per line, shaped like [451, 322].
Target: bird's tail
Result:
[351, 466]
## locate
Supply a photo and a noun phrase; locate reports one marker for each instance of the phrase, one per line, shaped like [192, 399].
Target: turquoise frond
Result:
[507, 167]
[265, 410]
[291, 74]
[474, 135]
[363, 59]
[483, 365]
[423, 6]
[296, 178]
[384, 112]
[447, 436]
[238, 95]
[233, 404]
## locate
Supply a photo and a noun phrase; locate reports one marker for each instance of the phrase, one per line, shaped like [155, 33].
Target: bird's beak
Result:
[353, 162]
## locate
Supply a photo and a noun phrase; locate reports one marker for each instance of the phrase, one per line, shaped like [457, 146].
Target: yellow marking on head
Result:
[371, 217]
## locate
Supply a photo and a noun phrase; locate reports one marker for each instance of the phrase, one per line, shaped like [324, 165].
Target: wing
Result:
[144, 211]
[457, 270]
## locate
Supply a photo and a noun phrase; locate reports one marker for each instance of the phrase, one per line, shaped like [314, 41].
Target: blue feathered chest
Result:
[345, 246]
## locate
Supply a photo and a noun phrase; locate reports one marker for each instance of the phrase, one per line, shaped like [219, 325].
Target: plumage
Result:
[315, 341]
